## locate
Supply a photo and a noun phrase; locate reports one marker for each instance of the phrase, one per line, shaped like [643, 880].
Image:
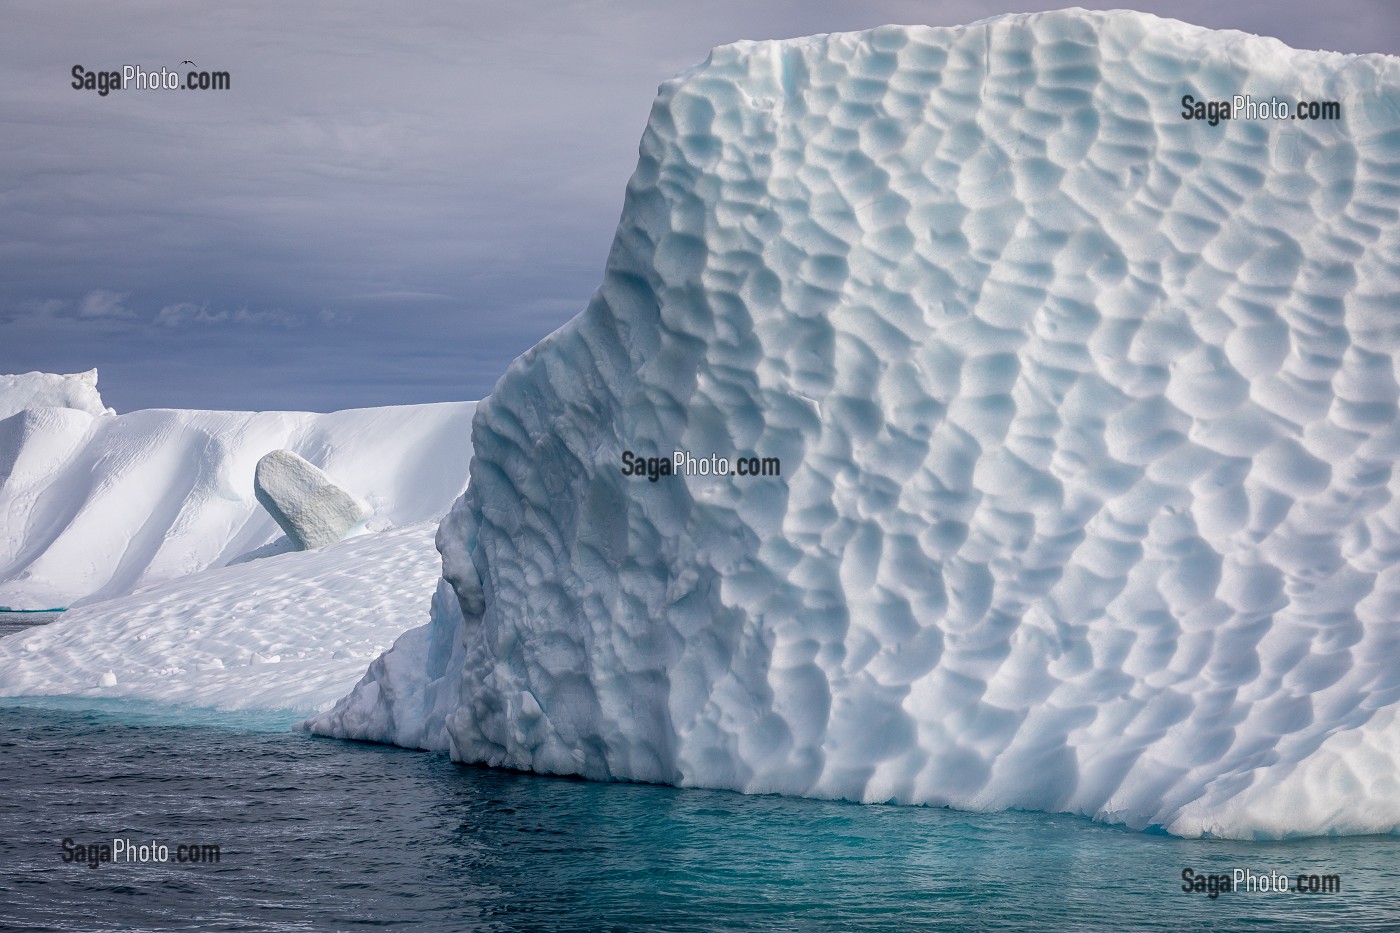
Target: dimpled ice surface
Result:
[1086, 416]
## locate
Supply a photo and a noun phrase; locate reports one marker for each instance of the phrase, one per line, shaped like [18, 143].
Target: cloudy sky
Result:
[391, 201]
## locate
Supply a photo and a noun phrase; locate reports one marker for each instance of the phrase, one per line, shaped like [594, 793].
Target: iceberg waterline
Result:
[290, 632]
[1086, 413]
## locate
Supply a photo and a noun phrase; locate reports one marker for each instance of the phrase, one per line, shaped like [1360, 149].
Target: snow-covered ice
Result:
[305, 502]
[268, 630]
[292, 631]
[77, 391]
[1087, 420]
[95, 505]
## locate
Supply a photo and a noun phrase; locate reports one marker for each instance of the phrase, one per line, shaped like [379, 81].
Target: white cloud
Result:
[101, 302]
[187, 312]
[38, 308]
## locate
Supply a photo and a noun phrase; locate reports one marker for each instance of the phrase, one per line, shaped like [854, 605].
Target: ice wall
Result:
[1086, 417]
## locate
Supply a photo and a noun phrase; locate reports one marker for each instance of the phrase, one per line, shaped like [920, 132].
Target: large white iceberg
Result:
[95, 505]
[1085, 415]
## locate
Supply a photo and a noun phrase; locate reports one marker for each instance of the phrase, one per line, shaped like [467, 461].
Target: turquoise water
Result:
[321, 834]
[11, 622]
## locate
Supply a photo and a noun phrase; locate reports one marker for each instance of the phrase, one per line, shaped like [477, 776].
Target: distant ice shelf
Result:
[1087, 421]
[95, 505]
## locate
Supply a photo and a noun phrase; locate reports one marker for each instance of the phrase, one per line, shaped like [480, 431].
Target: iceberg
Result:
[1048, 437]
[77, 391]
[97, 505]
[256, 629]
[289, 633]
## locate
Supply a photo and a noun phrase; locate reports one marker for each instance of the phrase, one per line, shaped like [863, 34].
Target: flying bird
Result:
[187, 62]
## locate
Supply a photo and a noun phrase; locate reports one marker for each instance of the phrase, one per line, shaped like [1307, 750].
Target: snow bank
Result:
[305, 502]
[1086, 419]
[290, 632]
[95, 505]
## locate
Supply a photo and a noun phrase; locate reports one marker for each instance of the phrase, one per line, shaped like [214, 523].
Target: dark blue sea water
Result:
[318, 834]
[11, 622]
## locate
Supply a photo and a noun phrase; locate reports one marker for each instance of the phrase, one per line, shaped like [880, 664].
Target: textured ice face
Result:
[1086, 416]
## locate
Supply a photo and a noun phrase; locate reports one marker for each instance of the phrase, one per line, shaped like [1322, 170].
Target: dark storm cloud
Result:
[389, 203]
